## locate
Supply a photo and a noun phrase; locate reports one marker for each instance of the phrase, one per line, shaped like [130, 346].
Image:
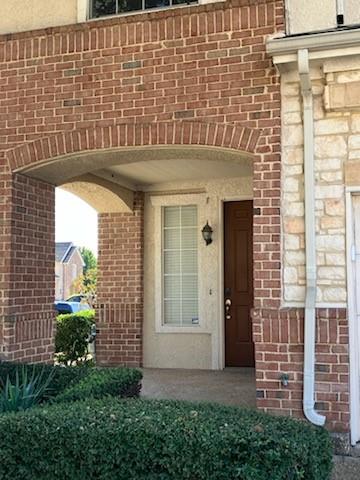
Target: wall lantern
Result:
[207, 232]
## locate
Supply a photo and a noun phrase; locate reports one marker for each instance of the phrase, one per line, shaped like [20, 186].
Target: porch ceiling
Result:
[143, 175]
[138, 168]
[106, 179]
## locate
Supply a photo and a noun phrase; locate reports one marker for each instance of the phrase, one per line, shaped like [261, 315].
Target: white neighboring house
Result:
[69, 265]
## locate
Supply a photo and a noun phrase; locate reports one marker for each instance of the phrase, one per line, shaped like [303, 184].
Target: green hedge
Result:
[99, 383]
[76, 383]
[72, 335]
[159, 440]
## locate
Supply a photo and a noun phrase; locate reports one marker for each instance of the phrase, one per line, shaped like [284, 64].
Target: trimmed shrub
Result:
[80, 382]
[99, 383]
[72, 336]
[159, 440]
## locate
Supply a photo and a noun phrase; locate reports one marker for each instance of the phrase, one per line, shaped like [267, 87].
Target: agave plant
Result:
[27, 390]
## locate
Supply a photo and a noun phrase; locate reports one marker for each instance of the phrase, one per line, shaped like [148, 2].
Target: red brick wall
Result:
[28, 286]
[120, 286]
[5, 248]
[203, 62]
[279, 338]
[194, 64]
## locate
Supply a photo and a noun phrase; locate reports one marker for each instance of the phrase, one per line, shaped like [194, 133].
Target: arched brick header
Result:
[131, 135]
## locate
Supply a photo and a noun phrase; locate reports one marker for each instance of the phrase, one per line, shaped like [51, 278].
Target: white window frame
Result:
[159, 202]
[85, 9]
[354, 333]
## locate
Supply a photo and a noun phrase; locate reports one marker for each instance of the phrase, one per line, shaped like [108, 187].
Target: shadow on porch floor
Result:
[232, 386]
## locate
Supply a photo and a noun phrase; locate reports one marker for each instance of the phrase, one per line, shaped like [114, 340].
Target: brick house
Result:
[171, 120]
[69, 265]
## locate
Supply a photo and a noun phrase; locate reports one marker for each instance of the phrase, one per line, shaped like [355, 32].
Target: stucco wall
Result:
[337, 161]
[351, 11]
[33, 14]
[303, 16]
[190, 350]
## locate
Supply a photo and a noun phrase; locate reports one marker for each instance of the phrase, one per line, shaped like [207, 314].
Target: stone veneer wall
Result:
[335, 141]
[337, 164]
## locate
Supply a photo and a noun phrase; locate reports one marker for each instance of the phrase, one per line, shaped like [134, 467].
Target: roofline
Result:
[67, 251]
[76, 249]
[332, 43]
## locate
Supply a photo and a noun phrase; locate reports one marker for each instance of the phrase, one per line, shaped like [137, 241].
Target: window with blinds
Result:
[180, 265]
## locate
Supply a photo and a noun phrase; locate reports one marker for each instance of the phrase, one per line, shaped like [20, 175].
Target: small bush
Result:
[80, 382]
[61, 377]
[159, 440]
[72, 336]
[28, 389]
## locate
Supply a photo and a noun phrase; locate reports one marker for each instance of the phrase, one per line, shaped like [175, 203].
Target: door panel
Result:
[241, 261]
[238, 277]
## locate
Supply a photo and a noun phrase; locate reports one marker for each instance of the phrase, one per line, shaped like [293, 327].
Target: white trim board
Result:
[83, 10]
[165, 201]
[354, 346]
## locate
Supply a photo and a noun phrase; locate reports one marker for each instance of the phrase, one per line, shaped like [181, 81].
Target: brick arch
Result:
[235, 137]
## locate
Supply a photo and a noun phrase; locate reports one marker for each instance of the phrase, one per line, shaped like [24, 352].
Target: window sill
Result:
[151, 10]
[193, 330]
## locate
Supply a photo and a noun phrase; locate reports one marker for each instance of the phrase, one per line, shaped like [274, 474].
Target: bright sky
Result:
[76, 221]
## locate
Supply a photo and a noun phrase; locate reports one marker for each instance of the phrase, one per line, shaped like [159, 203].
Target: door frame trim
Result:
[354, 332]
[221, 349]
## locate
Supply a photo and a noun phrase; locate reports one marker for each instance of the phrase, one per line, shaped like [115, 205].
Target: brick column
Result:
[120, 287]
[27, 246]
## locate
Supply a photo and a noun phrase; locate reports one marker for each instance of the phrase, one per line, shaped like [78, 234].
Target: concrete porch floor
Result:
[232, 386]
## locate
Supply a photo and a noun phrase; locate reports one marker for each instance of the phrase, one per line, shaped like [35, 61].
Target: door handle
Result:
[227, 308]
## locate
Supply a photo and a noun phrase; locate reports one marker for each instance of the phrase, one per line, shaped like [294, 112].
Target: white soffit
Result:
[333, 44]
[152, 172]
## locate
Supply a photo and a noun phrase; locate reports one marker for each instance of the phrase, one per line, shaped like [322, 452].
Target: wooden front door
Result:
[238, 288]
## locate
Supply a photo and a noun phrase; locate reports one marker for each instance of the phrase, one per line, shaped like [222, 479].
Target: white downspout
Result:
[340, 12]
[310, 246]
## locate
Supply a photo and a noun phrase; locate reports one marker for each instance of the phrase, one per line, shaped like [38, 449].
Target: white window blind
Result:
[180, 265]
